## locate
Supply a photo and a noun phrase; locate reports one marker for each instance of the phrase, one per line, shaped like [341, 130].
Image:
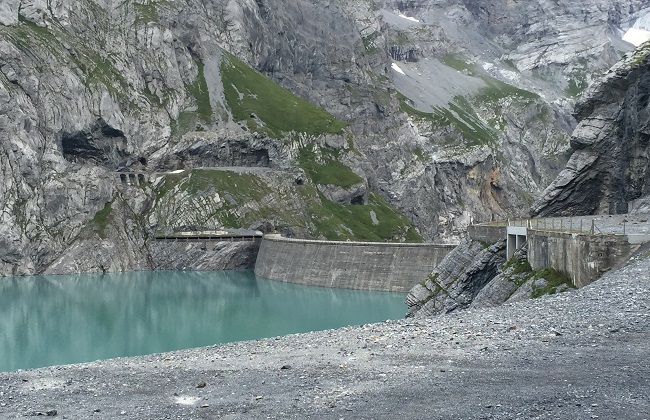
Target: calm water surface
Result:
[52, 320]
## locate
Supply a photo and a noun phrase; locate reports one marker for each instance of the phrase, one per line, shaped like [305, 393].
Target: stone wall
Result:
[584, 258]
[394, 267]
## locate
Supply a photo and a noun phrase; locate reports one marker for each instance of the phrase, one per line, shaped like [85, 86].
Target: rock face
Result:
[457, 280]
[203, 256]
[102, 102]
[610, 163]
[473, 276]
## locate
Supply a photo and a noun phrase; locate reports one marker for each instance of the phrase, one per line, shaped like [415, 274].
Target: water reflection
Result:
[49, 320]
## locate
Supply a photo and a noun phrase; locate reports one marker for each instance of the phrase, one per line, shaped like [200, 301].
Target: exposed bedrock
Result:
[475, 276]
[203, 255]
[221, 148]
[88, 88]
[456, 281]
[610, 164]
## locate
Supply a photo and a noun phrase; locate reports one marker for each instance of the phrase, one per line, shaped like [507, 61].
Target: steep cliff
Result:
[610, 163]
[102, 103]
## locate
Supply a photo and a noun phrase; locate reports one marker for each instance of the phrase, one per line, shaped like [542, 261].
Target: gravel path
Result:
[581, 354]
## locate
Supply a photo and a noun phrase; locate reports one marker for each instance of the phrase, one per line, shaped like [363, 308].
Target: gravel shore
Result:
[580, 354]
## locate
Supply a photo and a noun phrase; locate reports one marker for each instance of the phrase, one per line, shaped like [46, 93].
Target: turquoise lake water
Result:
[53, 320]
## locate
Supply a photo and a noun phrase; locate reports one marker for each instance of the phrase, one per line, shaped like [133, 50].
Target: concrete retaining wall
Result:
[584, 258]
[394, 267]
[488, 234]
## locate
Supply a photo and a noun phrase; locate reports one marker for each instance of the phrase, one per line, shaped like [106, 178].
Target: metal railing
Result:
[588, 225]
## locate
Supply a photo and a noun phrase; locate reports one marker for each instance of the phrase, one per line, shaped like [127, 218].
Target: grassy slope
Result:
[247, 199]
[464, 114]
[276, 110]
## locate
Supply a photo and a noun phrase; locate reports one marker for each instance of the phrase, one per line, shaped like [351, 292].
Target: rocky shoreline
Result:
[579, 354]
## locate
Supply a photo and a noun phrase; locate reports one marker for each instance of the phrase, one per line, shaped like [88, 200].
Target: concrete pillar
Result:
[516, 238]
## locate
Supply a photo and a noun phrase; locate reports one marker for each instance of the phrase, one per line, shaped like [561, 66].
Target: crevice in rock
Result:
[100, 143]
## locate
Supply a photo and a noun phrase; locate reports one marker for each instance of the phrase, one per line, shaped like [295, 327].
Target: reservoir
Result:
[53, 320]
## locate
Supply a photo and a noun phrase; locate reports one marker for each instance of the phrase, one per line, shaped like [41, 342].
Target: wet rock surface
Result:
[580, 354]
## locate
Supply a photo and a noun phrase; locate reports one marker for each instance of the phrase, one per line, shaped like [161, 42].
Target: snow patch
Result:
[395, 67]
[636, 36]
[407, 17]
[488, 66]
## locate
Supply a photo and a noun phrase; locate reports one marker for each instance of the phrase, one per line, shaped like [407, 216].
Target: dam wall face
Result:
[394, 267]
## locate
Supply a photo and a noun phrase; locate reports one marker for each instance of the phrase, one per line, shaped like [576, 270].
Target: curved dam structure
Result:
[394, 267]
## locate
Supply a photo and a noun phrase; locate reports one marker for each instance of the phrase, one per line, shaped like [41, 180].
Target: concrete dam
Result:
[394, 267]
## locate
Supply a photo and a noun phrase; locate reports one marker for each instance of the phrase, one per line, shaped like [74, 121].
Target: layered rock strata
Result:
[610, 163]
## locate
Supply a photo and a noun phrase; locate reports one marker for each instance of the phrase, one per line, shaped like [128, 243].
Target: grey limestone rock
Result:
[355, 194]
[611, 160]
[90, 88]
[202, 256]
[456, 281]
[9, 12]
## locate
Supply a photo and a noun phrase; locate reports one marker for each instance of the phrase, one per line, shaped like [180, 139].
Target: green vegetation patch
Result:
[518, 265]
[28, 36]
[329, 171]
[199, 90]
[369, 42]
[497, 90]
[100, 70]
[461, 116]
[464, 113]
[267, 107]
[243, 185]
[148, 10]
[102, 219]
[453, 61]
[246, 199]
[354, 222]
[554, 280]
[192, 119]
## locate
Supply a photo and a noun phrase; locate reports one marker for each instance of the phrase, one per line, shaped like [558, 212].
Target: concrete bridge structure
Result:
[210, 237]
[583, 247]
